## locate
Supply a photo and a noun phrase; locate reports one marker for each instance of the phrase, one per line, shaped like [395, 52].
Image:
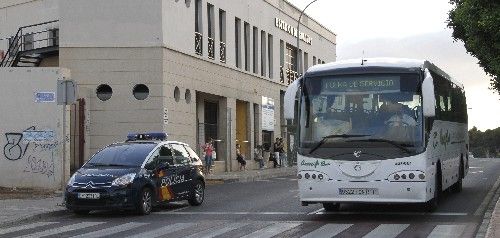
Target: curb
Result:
[494, 224]
[34, 217]
[491, 216]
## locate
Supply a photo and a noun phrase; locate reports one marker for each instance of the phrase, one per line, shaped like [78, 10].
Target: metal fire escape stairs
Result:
[31, 45]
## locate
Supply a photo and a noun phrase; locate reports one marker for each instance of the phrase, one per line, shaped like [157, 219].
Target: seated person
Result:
[396, 114]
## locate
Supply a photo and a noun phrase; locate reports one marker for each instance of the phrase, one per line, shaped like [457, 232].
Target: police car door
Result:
[182, 162]
[166, 173]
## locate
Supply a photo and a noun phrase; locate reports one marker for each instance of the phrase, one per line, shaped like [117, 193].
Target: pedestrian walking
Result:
[240, 158]
[267, 156]
[283, 155]
[208, 149]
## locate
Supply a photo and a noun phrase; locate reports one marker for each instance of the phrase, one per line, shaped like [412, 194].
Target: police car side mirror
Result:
[429, 99]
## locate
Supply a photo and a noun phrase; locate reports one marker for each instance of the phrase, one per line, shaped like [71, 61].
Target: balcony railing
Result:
[211, 48]
[198, 43]
[223, 52]
[287, 76]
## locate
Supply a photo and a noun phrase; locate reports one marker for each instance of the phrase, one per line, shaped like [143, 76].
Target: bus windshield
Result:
[373, 110]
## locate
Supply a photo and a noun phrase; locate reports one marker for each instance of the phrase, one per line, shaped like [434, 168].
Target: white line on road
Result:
[59, 230]
[163, 230]
[387, 231]
[272, 230]
[316, 212]
[25, 227]
[394, 213]
[445, 231]
[228, 213]
[213, 232]
[111, 230]
[328, 230]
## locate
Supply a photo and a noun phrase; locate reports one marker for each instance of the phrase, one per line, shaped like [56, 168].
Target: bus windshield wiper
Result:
[400, 146]
[319, 144]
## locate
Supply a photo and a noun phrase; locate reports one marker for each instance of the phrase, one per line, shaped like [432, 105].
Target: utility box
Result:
[34, 129]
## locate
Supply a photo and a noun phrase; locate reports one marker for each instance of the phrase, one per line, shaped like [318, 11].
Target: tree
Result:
[477, 24]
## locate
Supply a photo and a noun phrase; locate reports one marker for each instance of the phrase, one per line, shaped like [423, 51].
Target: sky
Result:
[410, 29]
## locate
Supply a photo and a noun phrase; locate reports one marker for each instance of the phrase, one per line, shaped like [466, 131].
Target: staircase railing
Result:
[29, 38]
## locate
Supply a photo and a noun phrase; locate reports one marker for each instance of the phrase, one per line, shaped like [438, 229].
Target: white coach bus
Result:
[378, 131]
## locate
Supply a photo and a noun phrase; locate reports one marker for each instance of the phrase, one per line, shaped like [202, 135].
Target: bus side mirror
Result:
[291, 92]
[429, 99]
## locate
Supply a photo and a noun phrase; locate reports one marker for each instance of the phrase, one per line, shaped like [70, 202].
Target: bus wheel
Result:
[457, 187]
[331, 207]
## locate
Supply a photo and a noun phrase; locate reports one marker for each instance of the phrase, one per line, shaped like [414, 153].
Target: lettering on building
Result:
[283, 25]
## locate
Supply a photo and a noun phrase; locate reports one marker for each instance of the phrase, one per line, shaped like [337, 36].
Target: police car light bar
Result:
[147, 136]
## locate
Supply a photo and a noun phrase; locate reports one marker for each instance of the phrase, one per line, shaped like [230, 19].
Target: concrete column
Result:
[258, 123]
[227, 130]
[250, 129]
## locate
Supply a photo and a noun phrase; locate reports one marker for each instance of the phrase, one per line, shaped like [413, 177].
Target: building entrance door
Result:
[211, 118]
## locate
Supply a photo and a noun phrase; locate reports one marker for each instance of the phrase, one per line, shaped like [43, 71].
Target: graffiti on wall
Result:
[38, 148]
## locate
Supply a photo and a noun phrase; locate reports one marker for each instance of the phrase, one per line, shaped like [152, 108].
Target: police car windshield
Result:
[123, 154]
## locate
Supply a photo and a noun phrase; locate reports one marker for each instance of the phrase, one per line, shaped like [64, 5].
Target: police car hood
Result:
[102, 174]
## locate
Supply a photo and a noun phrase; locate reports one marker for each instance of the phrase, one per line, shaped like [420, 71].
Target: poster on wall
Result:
[267, 114]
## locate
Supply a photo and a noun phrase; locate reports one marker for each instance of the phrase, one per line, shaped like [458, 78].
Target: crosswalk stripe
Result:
[217, 231]
[444, 231]
[111, 230]
[270, 231]
[25, 227]
[63, 229]
[328, 230]
[387, 231]
[163, 230]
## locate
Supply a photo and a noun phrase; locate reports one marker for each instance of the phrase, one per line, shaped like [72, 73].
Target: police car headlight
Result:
[124, 180]
[72, 180]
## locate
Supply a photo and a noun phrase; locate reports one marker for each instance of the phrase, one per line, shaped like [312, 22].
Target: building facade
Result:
[196, 69]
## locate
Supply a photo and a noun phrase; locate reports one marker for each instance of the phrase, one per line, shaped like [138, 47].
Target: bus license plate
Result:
[358, 191]
[89, 195]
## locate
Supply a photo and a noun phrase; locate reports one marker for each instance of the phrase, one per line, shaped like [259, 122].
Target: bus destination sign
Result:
[364, 84]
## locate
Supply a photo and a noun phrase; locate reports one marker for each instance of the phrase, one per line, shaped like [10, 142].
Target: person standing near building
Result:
[283, 155]
[208, 148]
[259, 156]
[278, 148]
[240, 158]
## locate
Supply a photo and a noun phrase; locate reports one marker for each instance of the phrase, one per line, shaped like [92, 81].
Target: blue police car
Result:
[142, 172]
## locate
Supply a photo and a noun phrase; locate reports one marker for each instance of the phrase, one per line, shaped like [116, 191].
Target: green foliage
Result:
[484, 144]
[477, 24]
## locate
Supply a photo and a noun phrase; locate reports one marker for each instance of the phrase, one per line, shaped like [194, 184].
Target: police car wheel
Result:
[145, 204]
[198, 194]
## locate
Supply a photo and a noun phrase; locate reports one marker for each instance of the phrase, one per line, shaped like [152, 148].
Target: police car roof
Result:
[154, 141]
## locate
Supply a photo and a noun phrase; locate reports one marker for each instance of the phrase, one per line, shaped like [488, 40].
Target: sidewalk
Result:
[17, 205]
[250, 175]
[494, 224]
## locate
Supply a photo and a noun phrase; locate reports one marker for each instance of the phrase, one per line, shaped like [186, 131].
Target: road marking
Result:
[111, 230]
[328, 230]
[445, 231]
[475, 167]
[25, 227]
[387, 231]
[322, 212]
[163, 230]
[228, 213]
[316, 212]
[59, 230]
[475, 172]
[481, 209]
[179, 209]
[272, 230]
[213, 232]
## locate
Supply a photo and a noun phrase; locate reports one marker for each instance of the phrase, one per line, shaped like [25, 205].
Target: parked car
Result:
[138, 174]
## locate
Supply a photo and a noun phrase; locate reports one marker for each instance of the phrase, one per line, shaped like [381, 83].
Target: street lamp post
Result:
[298, 32]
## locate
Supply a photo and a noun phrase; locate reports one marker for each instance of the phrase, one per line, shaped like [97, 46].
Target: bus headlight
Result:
[407, 176]
[313, 175]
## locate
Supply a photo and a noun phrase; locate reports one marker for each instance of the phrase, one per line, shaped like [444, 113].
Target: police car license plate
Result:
[358, 191]
[89, 195]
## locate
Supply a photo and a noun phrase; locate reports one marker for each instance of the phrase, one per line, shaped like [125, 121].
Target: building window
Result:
[28, 41]
[104, 92]
[282, 61]
[300, 65]
[198, 28]
[140, 91]
[290, 63]
[177, 94]
[314, 60]
[246, 42]
[222, 35]
[211, 31]
[270, 54]
[255, 47]
[237, 37]
[319, 61]
[306, 61]
[187, 96]
[263, 53]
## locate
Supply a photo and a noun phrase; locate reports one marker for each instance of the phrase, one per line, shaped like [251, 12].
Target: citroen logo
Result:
[357, 153]
[357, 167]
[90, 184]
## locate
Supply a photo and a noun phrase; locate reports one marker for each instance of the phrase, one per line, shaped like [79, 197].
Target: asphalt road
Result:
[270, 208]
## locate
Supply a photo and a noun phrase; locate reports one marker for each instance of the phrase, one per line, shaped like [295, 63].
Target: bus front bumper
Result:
[364, 192]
